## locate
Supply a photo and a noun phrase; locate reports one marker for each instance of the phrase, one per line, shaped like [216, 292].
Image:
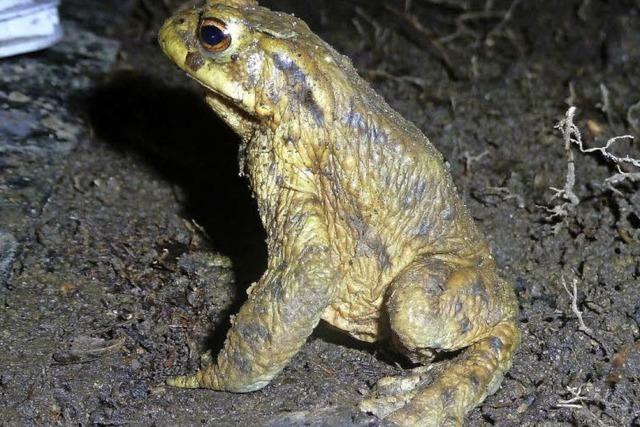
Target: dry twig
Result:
[438, 50]
[579, 399]
[620, 162]
[506, 17]
[470, 159]
[571, 136]
[381, 74]
[573, 293]
[506, 194]
[575, 401]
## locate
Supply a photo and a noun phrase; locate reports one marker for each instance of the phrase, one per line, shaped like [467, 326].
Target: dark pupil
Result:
[211, 35]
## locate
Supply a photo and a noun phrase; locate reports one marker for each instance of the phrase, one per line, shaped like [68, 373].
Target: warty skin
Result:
[365, 227]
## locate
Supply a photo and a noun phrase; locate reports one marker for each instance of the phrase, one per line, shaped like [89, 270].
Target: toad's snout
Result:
[175, 36]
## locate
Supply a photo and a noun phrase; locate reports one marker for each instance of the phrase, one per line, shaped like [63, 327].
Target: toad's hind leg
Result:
[437, 306]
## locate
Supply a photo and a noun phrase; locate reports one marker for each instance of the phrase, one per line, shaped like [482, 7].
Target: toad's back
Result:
[388, 199]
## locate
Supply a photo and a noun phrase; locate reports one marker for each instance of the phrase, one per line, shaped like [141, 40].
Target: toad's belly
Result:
[358, 310]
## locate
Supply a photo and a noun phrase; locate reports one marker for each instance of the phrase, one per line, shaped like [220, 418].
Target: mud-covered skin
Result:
[365, 228]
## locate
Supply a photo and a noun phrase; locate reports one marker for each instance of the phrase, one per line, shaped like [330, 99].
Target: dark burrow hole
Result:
[634, 220]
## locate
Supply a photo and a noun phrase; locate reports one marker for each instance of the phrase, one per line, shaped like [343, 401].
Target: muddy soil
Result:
[127, 237]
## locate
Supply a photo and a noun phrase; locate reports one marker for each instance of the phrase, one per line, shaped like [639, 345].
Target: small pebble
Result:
[19, 97]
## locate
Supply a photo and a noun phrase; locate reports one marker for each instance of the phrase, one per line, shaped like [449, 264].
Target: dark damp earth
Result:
[127, 237]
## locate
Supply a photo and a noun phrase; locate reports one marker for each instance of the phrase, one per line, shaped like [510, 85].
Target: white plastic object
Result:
[28, 25]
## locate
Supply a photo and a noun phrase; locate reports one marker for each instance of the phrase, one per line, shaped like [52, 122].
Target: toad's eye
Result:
[214, 36]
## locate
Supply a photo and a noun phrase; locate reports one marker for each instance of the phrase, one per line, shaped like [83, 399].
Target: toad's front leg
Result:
[282, 310]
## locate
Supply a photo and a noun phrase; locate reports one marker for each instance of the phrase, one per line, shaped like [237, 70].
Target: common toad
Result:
[365, 228]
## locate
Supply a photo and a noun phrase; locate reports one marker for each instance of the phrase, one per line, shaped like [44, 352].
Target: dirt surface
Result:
[127, 238]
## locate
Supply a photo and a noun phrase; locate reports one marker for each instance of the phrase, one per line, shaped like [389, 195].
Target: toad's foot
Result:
[205, 378]
[392, 393]
[183, 381]
[417, 400]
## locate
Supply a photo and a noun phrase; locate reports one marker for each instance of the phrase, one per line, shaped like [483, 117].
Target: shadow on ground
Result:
[174, 131]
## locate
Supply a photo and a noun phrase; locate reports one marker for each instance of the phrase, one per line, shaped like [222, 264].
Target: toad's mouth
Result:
[230, 110]
[218, 100]
[208, 92]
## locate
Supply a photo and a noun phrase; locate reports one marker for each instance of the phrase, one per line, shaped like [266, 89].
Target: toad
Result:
[365, 229]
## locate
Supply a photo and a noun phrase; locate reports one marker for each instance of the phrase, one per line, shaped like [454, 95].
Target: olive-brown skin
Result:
[365, 228]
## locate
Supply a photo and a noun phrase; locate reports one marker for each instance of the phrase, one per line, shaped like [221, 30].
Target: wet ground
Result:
[127, 238]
